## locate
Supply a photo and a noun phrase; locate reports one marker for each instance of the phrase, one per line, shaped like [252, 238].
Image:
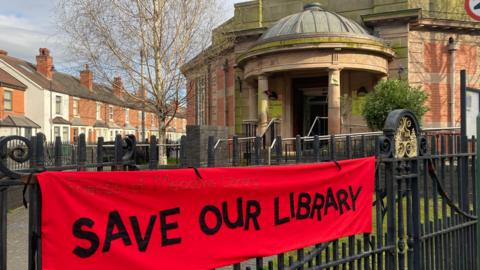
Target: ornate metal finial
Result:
[313, 6]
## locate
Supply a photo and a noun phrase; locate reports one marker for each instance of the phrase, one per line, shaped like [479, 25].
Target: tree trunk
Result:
[162, 141]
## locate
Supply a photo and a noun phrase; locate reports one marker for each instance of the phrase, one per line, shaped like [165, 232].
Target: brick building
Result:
[12, 110]
[63, 105]
[293, 61]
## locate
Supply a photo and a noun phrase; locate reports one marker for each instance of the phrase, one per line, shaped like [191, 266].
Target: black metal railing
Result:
[424, 208]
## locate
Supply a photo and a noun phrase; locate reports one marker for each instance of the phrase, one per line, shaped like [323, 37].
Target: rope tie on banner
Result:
[337, 164]
[339, 167]
[196, 172]
[27, 184]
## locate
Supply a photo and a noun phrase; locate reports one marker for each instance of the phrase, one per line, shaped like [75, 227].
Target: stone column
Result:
[334, 116]
[262, 104]
[452, 55]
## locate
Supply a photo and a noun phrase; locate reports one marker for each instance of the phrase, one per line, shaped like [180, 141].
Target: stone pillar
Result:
[334, 116]
[452, 56]
[252, 102]
[262, 104]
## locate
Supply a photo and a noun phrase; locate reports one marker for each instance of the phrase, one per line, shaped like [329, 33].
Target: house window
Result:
[200, 101]
[7, 100]
[75, 134]
[58, 104]
[28, 132]
[75, 107]
[139, 116]
[110, 113]
[152, 120]
[127, 117]
[56, 132]
[65, 134]
[99, 111]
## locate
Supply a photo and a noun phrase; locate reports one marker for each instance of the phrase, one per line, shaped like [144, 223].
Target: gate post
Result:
[153, 153]
[211, 152]
[477, 193]
[82, 152]
[403, 130]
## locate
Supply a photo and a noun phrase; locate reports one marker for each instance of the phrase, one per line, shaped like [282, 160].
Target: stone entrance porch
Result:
[317, 101]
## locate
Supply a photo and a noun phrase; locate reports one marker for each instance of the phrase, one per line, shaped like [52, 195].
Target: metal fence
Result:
[425, 196]
[424, 210]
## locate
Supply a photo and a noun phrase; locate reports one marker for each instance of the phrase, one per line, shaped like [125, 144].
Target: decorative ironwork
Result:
[385, 146]
[129, 143]
[405, 139]
[422, 146]
[16, 148]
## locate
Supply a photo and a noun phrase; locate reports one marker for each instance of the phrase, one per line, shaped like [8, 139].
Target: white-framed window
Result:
[127, 116]
[75, 107]
[65, 134]
[139, 116]
[110, 113]
[152, 120]
[99, 111]
[56, 132]
[7, 100]
[58, 104]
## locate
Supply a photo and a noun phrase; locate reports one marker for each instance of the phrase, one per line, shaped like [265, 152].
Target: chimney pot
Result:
[141, 92]
[86, 78]
[117, 87]
[45, 63]
[3, 52]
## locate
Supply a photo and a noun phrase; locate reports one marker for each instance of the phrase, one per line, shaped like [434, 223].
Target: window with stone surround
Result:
[58, 104]
[200, 100]
[75, 107]
[110, 113]
[99, 111]
[7, 100]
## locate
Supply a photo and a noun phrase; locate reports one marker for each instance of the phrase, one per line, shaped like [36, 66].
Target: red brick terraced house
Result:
[12, 109]
[64, 105]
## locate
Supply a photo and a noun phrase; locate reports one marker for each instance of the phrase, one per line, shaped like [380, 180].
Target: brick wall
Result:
[429, 68]
[214, 93]
[18, 107]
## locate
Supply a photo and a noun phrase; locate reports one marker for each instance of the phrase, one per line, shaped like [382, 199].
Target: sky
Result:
[27, 25]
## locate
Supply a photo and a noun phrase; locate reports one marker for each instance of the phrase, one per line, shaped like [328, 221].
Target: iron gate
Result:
[425, 206]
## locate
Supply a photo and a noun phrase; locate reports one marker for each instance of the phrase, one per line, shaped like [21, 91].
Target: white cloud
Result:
[15, 22]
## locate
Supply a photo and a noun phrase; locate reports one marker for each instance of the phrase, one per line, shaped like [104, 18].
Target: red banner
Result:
[178, 219]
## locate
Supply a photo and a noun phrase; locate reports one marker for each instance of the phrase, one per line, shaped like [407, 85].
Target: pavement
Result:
[17, 242]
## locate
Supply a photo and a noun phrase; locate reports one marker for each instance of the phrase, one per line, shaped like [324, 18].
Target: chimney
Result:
[117, 87]
[141, 92]
[3, 52]
[86, 78]
[45, 63]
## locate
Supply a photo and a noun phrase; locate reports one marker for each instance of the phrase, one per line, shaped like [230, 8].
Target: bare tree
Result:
[146, 42]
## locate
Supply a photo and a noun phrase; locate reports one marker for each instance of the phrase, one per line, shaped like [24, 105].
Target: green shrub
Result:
[391, 95]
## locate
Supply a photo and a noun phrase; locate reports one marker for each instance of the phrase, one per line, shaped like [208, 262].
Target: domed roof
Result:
[312, 20]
